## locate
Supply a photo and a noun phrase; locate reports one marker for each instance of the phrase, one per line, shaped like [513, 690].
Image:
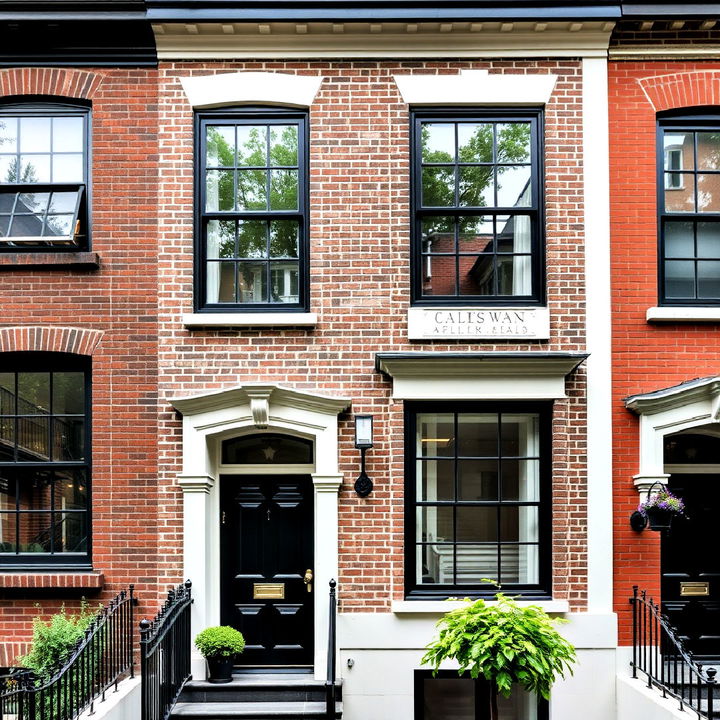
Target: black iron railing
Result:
[102, 657]
[661, 656]
[165, 654]
[330, 687]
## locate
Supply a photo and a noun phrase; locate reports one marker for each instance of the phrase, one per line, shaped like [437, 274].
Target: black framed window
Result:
[477, 499]
[252, 182]
[689, 209]
[44, 459]
[447, 696]
[44, 173]
[477, 194]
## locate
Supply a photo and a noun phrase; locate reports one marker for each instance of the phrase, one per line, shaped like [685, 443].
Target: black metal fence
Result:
[660, 655]
[330, 686]
[165, 654]
[102, 657]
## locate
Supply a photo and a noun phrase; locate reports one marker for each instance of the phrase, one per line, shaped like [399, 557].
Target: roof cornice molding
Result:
[305, 38]
[675, 397]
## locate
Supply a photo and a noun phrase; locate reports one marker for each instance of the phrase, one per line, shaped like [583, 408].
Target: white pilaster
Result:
[599, 378]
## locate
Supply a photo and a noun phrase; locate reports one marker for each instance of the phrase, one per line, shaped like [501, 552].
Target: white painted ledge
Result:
[201, 320]
[683, 314]
[440, 607]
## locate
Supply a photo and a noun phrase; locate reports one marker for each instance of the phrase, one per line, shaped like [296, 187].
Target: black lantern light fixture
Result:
[363, 442]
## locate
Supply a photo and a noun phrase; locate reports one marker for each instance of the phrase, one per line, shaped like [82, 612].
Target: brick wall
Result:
[360, 288]
[646, 357]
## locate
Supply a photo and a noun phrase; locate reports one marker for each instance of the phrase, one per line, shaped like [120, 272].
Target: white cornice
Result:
[676, 397]
[214, 41]
[661, 52]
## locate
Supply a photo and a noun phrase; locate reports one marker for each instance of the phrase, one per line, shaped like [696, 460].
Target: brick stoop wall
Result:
[646, 357]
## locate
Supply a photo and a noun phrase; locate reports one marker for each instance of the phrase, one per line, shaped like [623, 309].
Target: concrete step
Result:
[252, 711]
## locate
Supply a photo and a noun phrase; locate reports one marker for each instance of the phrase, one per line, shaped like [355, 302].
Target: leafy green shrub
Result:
[505, 643]
[221, 641]
[54, 640]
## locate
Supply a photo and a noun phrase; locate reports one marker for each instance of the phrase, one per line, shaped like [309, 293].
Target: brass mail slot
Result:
[694, 588]
[268, 591]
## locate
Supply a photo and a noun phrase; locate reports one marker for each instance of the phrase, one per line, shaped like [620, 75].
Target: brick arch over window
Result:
[44, 338]
[685, 89]
[50, 81]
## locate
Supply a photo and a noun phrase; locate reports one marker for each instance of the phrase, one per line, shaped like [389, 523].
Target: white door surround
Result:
[212, 417]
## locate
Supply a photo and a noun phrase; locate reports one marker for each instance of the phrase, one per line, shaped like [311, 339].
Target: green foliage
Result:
[506, 643]
[221, 641]
[54, 640]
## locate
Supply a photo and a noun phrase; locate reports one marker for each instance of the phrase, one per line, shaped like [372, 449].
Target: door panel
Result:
[266, 536]
[689, 555]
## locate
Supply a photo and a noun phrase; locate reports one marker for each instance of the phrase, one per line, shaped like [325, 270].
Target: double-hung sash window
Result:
[689, 210]
[252, 253]
[477, 187]
[44, 460]
[477, 499]
[43, 177]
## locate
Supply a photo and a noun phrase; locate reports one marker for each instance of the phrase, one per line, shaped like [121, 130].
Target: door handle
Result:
[307, 579]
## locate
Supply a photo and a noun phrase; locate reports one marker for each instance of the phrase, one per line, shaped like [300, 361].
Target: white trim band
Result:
[683, 314]
[201, 320]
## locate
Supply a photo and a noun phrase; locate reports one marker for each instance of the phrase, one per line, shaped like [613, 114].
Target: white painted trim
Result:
[207, 419]
[203, 320]
[246, 88]
[683, 314]
[476, 87]
[596, 181]
[440, 607]
[475, 323]
[658, 52]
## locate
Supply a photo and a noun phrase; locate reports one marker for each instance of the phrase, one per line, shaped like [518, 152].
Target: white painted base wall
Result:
[121, 705]
[635, 701]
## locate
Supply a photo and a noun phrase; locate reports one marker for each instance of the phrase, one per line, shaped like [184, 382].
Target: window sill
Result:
[683, 314]
[45, 580]
[280, 319]
[49, 260]
[440, 607]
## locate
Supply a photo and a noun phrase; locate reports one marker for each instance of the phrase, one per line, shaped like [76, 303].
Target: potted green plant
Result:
[506, 643]
[660, 508]
[219, 646]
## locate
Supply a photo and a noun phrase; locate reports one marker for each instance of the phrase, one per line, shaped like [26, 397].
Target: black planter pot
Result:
[659, 519]
[220, 669]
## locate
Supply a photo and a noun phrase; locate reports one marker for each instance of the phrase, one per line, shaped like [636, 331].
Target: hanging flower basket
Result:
[660, 509]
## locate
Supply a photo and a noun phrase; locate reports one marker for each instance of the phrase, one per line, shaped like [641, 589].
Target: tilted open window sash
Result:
[41, 214]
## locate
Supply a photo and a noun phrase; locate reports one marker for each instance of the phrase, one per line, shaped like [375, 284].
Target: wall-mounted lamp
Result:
[363, 442]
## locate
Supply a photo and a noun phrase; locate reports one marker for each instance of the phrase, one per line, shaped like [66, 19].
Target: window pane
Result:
[33, 439]
[518, 523]
[67, 168]
[435, 480]
[7, 532]
[679, 279]
[8, 169]
[284, 190]
[284, 282]
[284, 238]
[521, 480]
[8, 134]
[34, 169]
[33, 393]
[266, 449]
[476, 186]
[71, 532]
[708, 150]
[477, 480]
[475, 142]
[252, 282]
[251, 190]
[475, 234]
[513, 186]
[252, 239]
[70, 490]
[519, 564]
[67, 134]
[434, 564]
[438, 187]
[7, 393]
[449, 699]
[438, 142]
[679, 241]
[58, 226]
[35, 134]
[36, 532]
[434, 523]
[35, 203]
[513, 142]
[682, 144]
[519, 435]
[68, 438]
[709, 279]
[436, 435]
[7, 439]
[220, 146]
[220, 191]
[221, 239]
[683, 199]
[477, 435]
[221, 282]
[283, 145]
[476, 524]
[7, 490]
[68, 393]
[438, 235]
[439, 275]
[252, 145]
[709, 193]
[475, 562]
[514, 234]
[63, 202]
[514, 275]
[708, 240]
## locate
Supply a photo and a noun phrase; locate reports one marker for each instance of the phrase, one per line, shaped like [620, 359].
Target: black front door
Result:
[691, 565]
[266, 549]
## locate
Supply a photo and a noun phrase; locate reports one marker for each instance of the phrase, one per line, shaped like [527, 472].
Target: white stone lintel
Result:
[243, 320]
[683, 314]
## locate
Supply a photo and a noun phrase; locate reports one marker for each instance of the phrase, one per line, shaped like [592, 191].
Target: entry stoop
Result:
[251, 696]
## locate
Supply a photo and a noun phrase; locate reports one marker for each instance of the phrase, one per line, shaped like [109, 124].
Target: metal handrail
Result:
[103, 656]
[662, 657]
[165, 654]
[330, 688]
